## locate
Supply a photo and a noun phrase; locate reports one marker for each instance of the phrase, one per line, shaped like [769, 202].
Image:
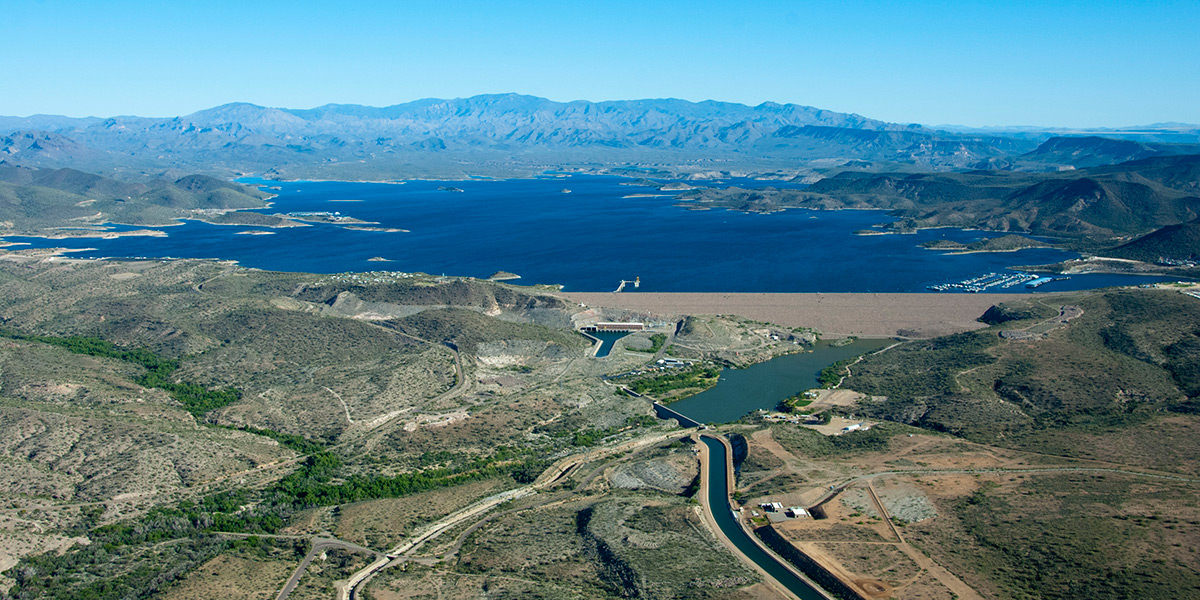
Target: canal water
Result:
[718, 500]
[607, 340]
[743, 391]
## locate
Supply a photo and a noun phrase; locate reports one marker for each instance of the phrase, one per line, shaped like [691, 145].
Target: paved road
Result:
[666, 344]
[544, 501]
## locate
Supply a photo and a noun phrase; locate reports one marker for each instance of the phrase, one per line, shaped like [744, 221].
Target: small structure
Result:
[616, 327]
[854, 427]
[1017, 334]
[777, 513]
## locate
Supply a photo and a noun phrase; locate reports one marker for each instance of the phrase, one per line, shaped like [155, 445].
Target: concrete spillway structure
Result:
[611, 326]
[665, 413]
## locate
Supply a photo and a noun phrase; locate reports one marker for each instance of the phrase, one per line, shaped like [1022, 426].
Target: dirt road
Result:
[547, 479]
[319, 546]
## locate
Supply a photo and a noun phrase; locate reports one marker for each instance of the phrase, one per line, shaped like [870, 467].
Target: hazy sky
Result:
[1093, 63]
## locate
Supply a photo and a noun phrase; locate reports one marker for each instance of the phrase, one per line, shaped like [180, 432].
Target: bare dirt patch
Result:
[233, 578]
[837, 425]
[827, 399]
[672, 474]
[904, 501]
[384, 523]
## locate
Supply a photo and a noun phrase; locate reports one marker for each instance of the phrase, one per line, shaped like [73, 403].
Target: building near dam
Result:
[615, 327]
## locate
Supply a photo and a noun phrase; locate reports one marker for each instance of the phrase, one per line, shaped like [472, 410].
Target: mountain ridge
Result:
[1178, 242]
[507, 131]
[1092, 151]
[1106, 205]
[41, 201]
[522, 135]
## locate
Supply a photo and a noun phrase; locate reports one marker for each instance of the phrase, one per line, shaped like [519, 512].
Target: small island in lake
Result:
[1007, 243]
[380, 229]
[676, 187]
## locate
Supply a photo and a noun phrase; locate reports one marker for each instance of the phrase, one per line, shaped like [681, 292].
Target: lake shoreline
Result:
[526, 226]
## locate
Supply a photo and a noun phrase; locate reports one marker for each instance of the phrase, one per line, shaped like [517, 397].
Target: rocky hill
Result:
[1174, 242]
[1100, 204]
[1092, 151]
[37, 200]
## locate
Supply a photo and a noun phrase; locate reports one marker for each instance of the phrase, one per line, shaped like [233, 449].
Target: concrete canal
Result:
[607, 340]
[723, 514]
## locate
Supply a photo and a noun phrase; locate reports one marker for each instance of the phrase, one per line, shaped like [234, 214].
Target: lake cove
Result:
[588, 240]
[743, 391]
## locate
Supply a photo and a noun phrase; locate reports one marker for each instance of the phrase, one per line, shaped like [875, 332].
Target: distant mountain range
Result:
[512, 134]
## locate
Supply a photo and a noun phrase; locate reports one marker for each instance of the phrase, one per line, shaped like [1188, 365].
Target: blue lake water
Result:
[587, 240]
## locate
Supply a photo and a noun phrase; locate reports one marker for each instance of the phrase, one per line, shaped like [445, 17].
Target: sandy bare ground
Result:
[827, 399]
[864, 315]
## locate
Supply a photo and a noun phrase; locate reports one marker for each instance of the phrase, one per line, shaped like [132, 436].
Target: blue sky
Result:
[1074, 64]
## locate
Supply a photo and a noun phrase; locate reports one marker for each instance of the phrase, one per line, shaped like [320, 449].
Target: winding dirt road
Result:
[546, 480]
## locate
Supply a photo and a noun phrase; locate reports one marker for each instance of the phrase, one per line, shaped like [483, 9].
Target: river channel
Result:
[718, 502]
[743, 391]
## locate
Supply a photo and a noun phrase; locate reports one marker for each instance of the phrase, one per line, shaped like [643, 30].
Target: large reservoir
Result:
[590, 239]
